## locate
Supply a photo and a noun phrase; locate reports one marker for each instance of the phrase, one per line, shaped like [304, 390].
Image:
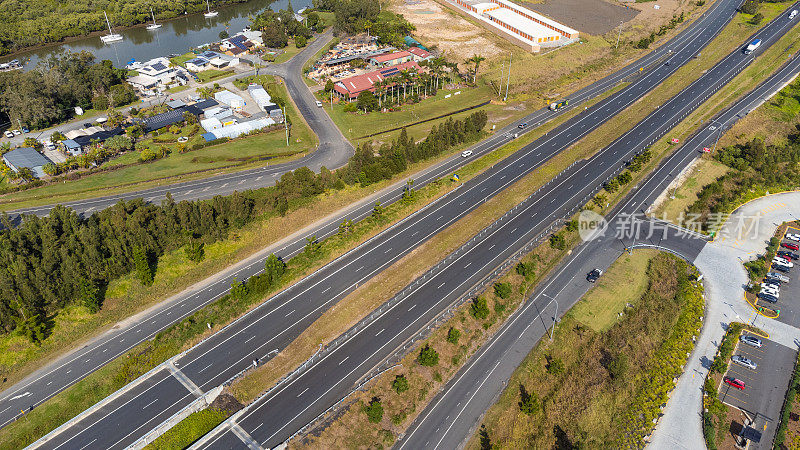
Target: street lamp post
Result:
[555, 314]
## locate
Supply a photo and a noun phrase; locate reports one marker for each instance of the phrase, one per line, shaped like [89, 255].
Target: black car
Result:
[768, 297]
[773, 282]
[780, 268]
[791, 255]
[594, 275]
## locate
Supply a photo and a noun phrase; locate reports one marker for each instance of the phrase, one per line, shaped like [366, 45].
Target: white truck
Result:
[752, 46]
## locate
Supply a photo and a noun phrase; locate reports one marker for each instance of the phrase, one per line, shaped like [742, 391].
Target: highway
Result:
[270, 326]
[275, 417]
[451, 419]
[72, 367]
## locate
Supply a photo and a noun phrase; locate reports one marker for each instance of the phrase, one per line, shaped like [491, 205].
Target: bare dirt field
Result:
[603, 18]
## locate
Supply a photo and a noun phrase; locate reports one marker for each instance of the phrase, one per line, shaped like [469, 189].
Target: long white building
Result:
[524, 27]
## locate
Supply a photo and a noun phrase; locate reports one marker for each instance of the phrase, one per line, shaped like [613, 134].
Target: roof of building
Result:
[143, 80]
[25, 157]
[227, 97]
[175, 104]
[199, 61]
[238, 129]
[357, 84]
[391, 56]
[70, 144]
[559, 26]
[101, 136]
[418, 52]
[521, 23]
[237, 50]
[206, 103]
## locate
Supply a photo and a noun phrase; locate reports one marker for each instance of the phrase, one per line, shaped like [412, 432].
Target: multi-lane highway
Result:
[452, 417]
[67, 370]
[276, 323]
[276, 416]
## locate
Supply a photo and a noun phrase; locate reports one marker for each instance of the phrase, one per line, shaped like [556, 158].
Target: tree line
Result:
[359, 16]
[48, 263]
[28, 23]
[48, 95]
[277, 27]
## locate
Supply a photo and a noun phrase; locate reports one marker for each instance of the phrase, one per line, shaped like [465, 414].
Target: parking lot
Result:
[788, 304]
[765, 386]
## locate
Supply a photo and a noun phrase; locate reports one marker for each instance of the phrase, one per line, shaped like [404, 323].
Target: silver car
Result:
[742, 361]
[751, 340]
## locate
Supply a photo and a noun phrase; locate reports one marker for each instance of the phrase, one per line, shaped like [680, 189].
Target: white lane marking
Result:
[304, 391]
[387, 250]
[379, 332]
[290, 313]
[412, 307]
[249, 339]
[145, 406]
[468, 264]
[24, 394]
[90, 443]
[440, 286]
[345, 359]
[204, 368]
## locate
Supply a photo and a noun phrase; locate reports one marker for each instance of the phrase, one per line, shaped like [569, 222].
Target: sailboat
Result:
[210, 13]
[154, 25]
[111, 36]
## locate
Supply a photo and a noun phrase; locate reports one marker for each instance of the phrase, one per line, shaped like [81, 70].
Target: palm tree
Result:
[380, 88]
[476, 59]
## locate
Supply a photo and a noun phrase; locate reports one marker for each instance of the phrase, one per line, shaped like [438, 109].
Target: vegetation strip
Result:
[469, 108]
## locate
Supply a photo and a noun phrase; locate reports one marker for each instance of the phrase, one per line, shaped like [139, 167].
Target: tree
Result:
[328, 86]
[366, 101]
[528, 401]
[502, 290]
[57, 136]
[452, 335]
[476, 61]
[141, 264]
[400, 384]
[554, 366]
[557, 241]
[50, 169]
[223, 34]
[479, 309]
[526, 270]
[89, 295]
[377, 210]
[195, 251]
[618, 367]
[486, 442]
[374, 410]
[274, 268]
[32, 142]
[300, 41]
[428, 357]
[238, 289]
[749, 7]
[757, 19]
[312, 246]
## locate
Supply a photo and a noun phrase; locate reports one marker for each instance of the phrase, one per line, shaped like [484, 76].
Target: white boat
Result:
[210, 13]
[111, 36]
[154, 25]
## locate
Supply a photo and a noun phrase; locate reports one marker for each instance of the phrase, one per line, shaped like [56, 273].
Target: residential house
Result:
[418, 54]
[72, 147]
[197, 64]
[236, 102]
[26, 157]
[158, 73]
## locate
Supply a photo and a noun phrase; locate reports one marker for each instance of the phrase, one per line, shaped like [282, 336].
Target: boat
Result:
[154, 25]
[210, 13]
[111, 36]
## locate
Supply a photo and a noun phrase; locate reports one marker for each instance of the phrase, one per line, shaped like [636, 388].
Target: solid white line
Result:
[145, 406]
[304, 391]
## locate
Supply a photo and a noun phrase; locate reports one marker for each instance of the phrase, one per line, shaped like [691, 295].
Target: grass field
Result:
[705, 172]
[181, 59]
[212, 74]
[235, 155]
[624, 282]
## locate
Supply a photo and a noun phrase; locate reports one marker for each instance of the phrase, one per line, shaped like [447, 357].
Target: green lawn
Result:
[704, 173]
[212, 74]
[624, 282]
[355, 125]
[180, 60]
[290, 50]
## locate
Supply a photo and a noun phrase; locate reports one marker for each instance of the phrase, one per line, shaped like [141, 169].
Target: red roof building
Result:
[419, 54]
[349, 88]
[391, 59]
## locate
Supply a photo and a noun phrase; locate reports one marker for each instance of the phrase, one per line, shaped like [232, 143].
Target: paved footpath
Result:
[743, 237]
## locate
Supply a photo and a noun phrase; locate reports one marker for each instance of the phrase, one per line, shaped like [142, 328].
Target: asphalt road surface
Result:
[62, 373]
[275, 417]
[453, 416]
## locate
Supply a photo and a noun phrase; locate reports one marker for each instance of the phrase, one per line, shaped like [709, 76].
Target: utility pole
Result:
[502, 69]
[508, 83]
[619, 33]
[286, 125]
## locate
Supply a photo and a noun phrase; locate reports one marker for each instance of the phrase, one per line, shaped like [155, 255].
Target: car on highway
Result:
[777, 276]
[319, 104]
[466, 153]
[792, 14]
[750, 340]
[522, 125]
[742, 361]
[752, 46]
[767, 297]
[735, 382]
[793, 237]
[9, 134]
[594, 275]
[787, 254]
[790, 246]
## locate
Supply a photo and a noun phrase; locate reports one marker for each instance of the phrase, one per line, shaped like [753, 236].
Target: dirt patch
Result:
[226, 402]
[596, 17]
[450, 32]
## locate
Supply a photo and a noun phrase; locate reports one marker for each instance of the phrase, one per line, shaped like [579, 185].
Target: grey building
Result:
[22, 157]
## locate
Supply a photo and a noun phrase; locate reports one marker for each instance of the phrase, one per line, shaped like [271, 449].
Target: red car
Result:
[735, 382]
[784, 257]
[794, 247]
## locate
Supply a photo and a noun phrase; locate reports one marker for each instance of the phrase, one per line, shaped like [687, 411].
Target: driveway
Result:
[743, 236]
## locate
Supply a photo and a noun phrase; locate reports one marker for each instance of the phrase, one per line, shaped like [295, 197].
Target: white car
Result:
[782, 262]
[793, 237]
[767, 290]
[778, 276]
[9, 134]
[792, 14]
[16, 132]
[319, 104]
[466, 153]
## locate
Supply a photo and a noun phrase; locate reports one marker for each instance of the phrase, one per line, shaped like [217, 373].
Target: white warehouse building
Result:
[260, 96]
[236, 102]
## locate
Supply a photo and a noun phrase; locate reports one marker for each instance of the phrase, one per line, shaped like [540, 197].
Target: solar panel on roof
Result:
[159, 66]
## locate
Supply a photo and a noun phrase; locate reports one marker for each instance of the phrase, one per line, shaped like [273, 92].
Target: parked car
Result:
[783, 269]
[319, 104]
[790, 246]
[16, 132]
[767, 297]
[782, 262]
[793, 237]
[750, 340]
[9, 134]
[735, 382]
[742, 361]
[788, 254]
[777, 276]
[773, 282]
[466, 153]
[770, 293]
[594, 275]
[784, 257]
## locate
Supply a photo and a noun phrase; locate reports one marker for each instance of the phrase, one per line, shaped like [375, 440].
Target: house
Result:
[219, 60]
[26, 157]
[349, 88]
[157, 73]
[175, 104]
[229, 98]
[99, 135]
[197, 64]
[211, 124]
[168, 118]
[418, 54]
[72, 147]
[390, 59]
[254, 37]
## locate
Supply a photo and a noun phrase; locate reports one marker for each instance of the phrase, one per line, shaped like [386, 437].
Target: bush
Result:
[374, 410]
[350, 107]
[555, 366]
[526, 269]
[618, 367]
[528, 401]
[479, 309]
[502, 290]
[400, 384]
[757, 19]
[749, 7]
[558, 242]
[300, 42]
[453, 334]
[428, 357]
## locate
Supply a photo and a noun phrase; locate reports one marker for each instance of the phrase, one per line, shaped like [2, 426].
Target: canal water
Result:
[178, 35]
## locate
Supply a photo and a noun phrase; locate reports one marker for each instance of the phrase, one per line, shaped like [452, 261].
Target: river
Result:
[176, 36]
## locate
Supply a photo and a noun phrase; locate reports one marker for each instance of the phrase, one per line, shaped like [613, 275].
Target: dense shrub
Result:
[428, 357]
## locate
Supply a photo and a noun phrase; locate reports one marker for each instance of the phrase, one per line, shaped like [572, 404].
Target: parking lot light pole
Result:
[555, 314]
